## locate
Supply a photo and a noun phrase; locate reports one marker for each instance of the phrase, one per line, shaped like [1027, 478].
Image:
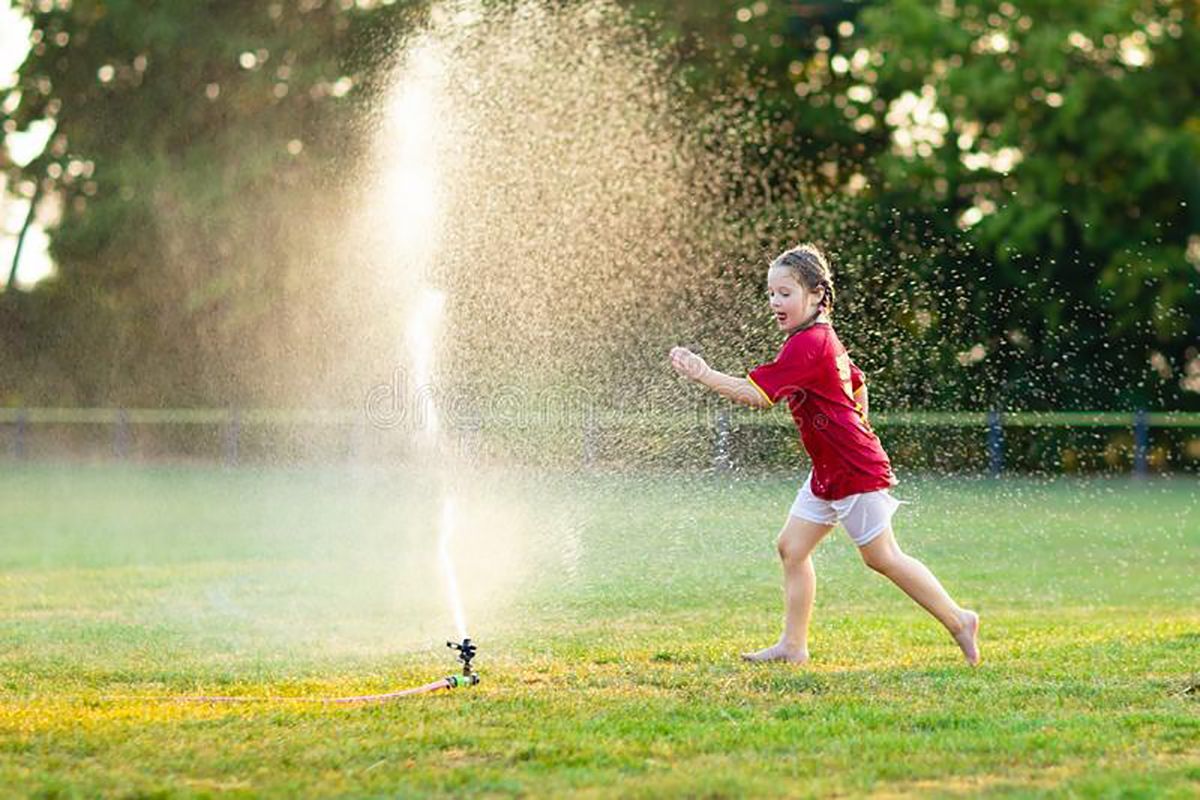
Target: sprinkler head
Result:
[466, 651]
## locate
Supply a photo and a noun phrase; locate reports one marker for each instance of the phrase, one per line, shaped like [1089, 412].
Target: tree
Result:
[1063, 139]
[1015, 184]
[199, 152]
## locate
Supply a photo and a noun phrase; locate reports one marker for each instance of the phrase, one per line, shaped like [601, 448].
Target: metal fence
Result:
[355, 428]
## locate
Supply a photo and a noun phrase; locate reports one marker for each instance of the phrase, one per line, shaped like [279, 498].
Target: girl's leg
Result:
[797, 540]
[884, 555]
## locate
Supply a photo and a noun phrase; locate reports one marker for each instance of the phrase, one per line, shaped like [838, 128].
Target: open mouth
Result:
[780, 316]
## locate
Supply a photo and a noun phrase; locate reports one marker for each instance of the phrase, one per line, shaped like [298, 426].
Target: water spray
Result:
[445, 532]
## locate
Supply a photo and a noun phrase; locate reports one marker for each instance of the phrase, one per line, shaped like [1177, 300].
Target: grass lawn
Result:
[609, 611]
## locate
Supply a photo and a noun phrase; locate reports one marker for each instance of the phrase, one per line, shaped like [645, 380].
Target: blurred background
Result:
[333, 329]
[212, 212]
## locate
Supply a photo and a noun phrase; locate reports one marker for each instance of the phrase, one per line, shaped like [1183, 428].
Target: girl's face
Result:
[791, 303]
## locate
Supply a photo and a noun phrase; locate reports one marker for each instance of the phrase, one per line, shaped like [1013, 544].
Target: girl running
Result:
[851, 475]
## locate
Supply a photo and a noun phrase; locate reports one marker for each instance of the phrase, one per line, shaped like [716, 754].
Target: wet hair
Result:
[809, 266]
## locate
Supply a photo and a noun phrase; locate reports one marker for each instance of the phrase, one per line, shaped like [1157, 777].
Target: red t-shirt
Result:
[814, 372]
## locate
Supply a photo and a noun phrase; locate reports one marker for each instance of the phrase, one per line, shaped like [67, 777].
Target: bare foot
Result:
[968, 637]
[778, 652]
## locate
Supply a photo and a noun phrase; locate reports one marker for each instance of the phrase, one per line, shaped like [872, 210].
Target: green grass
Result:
[609, 611]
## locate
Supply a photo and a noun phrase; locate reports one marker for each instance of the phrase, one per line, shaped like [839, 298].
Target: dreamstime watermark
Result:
[401, 404]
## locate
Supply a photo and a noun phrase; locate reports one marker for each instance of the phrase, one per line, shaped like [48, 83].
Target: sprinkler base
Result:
[455, 681]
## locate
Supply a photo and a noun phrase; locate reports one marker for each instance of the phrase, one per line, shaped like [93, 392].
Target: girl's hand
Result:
[688, 364]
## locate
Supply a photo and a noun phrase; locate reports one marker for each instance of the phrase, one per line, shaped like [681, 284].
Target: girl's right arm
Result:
[739, 390]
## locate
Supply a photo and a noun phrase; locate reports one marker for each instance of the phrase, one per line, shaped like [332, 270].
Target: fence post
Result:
[121, 434]
[590, 436]
[233, 431]
[468, 428]
[1141, 442]
[722, 461]
[19, 429]
[995, 443]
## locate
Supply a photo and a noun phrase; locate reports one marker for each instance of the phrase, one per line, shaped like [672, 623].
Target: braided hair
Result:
[809, 266]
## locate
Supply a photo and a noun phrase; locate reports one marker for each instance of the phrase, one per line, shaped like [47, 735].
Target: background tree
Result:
[200, 153]
[1012, 186]
[1056, 141]
[1010, 191]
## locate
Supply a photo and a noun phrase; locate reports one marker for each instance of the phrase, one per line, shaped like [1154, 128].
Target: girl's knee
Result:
[784, 547]
[881, 556]
[789, 549]
[799, 537]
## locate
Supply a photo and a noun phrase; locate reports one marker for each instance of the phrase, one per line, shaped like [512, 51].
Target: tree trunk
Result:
[12, 272]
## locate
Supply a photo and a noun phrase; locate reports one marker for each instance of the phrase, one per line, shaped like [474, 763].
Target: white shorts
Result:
[864, 516]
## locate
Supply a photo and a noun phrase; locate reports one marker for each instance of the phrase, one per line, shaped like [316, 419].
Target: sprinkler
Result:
[469, 677]
[466, 651]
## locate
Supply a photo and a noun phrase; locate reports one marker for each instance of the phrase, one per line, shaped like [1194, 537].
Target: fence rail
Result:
[282, 416]
[722, 421]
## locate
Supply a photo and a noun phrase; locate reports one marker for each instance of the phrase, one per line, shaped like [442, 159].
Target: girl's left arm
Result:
[739, 390]
[861, 398]
[858, 382]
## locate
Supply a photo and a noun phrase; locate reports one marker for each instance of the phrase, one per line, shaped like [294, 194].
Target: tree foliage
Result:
[1020, 183]
[1061, 137]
